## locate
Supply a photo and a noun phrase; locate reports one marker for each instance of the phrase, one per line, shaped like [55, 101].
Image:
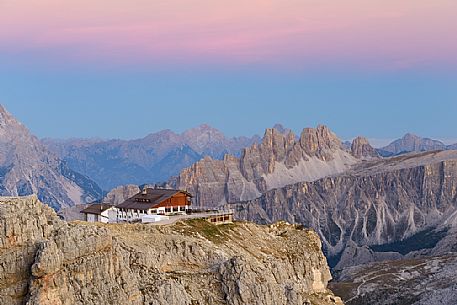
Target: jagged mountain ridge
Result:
[280, 159]
[47, 261]
[377, 202]
[27, 167]
[413, 143]
[154, 158]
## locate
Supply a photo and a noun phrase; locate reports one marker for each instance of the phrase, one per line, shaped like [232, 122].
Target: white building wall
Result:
[111, 215]
[104, 217]
[132, 215]
[92, 217]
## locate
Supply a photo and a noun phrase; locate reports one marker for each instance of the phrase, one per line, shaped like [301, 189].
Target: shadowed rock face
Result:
[27, 167]
[44, 260]
[424, 281]
[376, 203]
[280, 159]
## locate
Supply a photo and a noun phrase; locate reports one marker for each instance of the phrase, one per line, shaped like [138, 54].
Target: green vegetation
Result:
[212, 232]
[426, 239]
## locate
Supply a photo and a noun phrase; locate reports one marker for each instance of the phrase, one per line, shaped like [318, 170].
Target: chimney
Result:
[144, 192]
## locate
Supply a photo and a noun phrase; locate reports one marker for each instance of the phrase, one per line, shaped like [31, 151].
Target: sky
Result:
[123, 69]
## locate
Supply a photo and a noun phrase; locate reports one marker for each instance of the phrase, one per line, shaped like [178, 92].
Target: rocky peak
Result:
[317, 141]
[203, 136]
[27, 168]
[279, 127]
[280, 159]
[273, 137]
[10, 128]
[162, 137]
[410, 137]
[362, 149]
[411, 143]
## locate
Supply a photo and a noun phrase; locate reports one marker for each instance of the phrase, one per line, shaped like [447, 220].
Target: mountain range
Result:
[363, 205]
[413, 143]
[367, 209]
[368, 205]
[154, 158]
[280, 159]
[28, 167]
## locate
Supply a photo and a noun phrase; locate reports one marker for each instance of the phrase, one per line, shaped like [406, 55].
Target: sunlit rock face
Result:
[45, 260]
[279, 160]
[377, 210]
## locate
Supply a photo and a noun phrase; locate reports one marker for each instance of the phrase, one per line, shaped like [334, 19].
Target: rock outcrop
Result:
[27, 167]
[390, 202]
[121, 193]
[362, 149]
[44, 260]
[280, 159]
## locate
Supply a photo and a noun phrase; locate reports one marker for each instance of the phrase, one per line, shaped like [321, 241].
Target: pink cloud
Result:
[389, 34]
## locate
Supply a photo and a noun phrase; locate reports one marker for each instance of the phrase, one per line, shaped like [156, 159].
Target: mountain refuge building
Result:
[163, 202]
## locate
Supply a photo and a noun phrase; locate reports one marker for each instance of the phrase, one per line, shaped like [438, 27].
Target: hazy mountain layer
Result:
[413, 143]
[154, 158]
[27, 167]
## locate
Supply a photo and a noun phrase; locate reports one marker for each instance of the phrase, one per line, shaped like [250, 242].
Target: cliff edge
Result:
[44, 260]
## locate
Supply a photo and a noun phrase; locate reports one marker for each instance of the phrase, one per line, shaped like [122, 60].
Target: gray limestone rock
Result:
[361, 148]
[27, 167]
[400, 204]
[44, 260]
[280, 159]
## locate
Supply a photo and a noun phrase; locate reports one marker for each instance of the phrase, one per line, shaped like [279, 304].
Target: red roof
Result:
[149, 198]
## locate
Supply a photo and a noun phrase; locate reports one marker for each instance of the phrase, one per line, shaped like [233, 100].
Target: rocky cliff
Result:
[420, 281]
[44, 260]
[280, 159]
[378, 210]
[27, 167]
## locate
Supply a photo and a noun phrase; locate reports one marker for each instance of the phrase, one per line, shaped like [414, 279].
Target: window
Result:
[154, 211]
[142, 200]
[167, 210]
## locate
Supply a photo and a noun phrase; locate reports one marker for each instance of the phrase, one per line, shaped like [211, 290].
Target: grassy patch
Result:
[426, 239]
[212, 232]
